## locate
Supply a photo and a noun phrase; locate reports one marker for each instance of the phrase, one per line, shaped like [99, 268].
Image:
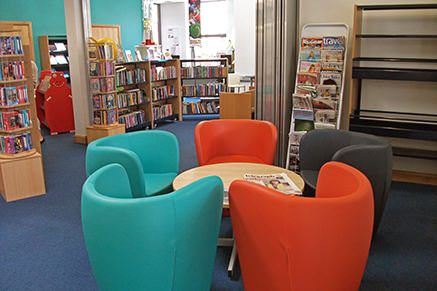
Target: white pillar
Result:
[78, 23]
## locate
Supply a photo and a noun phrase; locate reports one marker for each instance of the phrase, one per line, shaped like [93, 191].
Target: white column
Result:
[78, 23]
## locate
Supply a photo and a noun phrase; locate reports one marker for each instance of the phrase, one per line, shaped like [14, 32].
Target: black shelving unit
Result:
[410, 125]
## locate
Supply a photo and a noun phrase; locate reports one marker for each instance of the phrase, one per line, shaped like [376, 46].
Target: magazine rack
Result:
[303, 120]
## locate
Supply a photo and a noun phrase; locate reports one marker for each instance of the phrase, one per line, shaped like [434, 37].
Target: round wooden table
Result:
[229, 172]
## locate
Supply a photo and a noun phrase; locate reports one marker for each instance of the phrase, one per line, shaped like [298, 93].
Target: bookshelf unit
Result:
[103, 92]
[133, 94]
[413, 67]
[165, 91]
[21, 170]
[54, 54]
[202, 81]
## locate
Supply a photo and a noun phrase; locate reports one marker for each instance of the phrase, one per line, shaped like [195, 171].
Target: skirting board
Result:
[413, 177]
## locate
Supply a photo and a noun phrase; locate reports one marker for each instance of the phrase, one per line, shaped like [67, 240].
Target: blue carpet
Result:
[42, 247]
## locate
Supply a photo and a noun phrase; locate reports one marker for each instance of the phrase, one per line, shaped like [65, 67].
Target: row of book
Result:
[103, 101]
[102, 85]
[209, 89]
[200, 107]
[163, 73]
[203, 72]
[15, 144]
[105, 117]
[130, 98]
[12, 120]
[100, 52]
[162, 110]
[130, 77]
[133, 118]
[11, 45]
[10, 96]
[101, 68]
[13, 70]
[162, 92]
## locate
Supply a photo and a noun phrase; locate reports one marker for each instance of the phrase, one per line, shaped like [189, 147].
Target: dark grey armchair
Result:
[370, 154]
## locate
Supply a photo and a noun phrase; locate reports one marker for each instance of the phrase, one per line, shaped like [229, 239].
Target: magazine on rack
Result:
[280, 182]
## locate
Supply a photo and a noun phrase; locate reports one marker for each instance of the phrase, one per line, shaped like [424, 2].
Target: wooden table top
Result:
[229, 172]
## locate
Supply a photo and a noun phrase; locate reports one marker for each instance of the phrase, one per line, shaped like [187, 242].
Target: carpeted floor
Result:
[42, 247]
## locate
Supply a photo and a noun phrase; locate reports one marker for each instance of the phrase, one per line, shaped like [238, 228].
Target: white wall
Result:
[241, 30]
[175, 15]
[245, 28]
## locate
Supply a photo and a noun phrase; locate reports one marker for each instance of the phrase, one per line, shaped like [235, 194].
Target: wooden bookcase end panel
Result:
[14, 171]
[95, 132]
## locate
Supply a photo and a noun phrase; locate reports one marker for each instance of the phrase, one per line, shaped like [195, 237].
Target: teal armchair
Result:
[150, 157]
[164, 242]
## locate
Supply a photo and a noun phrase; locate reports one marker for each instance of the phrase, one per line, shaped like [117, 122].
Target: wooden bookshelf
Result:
[103, 91]
[21, 170]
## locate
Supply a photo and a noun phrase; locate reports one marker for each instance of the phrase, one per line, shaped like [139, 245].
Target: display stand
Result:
[315, 104]
[21, 171]
[54, 102]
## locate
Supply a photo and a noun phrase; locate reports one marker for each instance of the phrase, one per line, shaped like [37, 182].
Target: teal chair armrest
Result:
[99, 156]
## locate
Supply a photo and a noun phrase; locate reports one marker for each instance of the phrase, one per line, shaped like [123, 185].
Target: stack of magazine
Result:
[320, 77]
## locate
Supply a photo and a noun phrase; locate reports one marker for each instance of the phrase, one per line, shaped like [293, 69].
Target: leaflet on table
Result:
[280, 182]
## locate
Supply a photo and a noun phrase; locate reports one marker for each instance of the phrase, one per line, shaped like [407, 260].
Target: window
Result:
[214, 27]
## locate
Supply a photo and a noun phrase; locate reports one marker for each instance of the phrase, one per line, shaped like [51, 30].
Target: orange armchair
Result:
[302, 243]
[235, 140]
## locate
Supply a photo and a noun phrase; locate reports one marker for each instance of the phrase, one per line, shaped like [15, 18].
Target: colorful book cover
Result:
[95, 86]
[11, 95]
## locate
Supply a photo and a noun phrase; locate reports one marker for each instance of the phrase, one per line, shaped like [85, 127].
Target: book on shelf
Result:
[332, 66]
[279, 182]
[60, 47]
[11, 45]
[102, 85]
[101, 69]
[129, 56]
[14, 144]
[103, 101]
[121, 58]
[61, 60]
[12, 70]
[105, 117]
